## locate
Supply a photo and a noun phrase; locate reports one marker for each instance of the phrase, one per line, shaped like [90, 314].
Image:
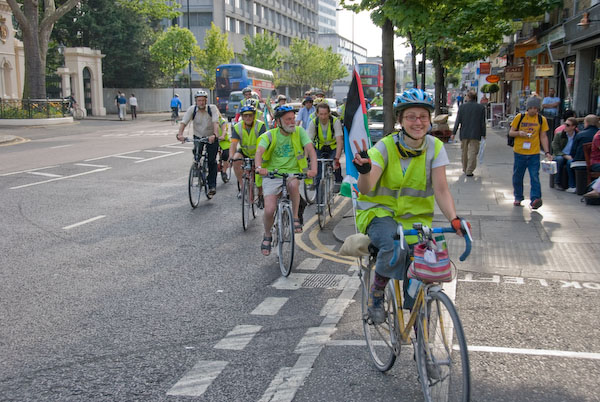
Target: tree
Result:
[216, 51]
[327, 67]
[300, 59]
[36, 35]
[261, 51]
[173, 50]
[122, 33]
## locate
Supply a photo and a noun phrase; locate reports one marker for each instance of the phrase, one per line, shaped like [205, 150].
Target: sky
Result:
[367, 34]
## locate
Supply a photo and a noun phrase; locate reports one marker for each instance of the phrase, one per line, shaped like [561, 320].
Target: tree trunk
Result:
[424, 66]
[389, 75]
[36, 35]
[440, 88]
[414, 60]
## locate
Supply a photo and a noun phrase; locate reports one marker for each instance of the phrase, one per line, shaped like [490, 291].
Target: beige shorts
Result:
[273, 186]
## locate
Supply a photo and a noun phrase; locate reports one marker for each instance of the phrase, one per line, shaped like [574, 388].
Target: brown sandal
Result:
[265, 247]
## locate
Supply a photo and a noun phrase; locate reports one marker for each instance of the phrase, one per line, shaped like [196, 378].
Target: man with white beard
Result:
[283, 148]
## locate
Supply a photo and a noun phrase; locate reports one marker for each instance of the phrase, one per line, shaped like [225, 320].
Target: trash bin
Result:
[580, 180]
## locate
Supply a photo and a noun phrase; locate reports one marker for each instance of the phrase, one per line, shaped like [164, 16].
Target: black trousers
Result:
[212, 150]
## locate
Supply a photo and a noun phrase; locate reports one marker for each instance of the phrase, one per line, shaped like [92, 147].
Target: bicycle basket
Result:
[431, 265]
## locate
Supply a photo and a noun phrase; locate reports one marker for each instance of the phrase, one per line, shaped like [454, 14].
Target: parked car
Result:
[375, 120]
[232, 105]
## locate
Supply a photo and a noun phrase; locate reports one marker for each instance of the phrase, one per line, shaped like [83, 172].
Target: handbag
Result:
[431, 264]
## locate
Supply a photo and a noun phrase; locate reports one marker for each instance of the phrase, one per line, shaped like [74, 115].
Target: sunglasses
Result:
[568, 125]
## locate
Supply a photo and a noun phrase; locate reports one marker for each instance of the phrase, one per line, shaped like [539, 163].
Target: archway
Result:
[87, 90]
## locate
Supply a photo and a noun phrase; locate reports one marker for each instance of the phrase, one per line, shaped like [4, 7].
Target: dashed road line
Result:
[309, 264]
[270, 306]
[158, 157]
[62, 146]
[45, 174]
[84, 222]
[111, 156]
[59, 178]
[28, 170]
[535, 352]
[239, 337]
[198, 379]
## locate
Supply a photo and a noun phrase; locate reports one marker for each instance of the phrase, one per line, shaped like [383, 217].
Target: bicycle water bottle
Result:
[413, 287]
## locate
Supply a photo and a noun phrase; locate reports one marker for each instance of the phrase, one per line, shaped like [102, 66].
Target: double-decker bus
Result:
[234, 78]
[371, 76]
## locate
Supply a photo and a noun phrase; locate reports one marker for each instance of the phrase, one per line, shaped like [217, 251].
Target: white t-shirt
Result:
[133, 101]
[203, 123]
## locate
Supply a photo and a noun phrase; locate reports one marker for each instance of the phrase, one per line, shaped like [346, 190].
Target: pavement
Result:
[560, 240]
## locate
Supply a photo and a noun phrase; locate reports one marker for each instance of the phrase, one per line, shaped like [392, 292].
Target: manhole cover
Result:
[322, 281]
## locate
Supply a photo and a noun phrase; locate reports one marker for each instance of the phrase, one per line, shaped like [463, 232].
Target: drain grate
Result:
[322, 281]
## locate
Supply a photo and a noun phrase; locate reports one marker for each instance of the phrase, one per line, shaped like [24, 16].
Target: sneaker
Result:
[469, 174]
[212, 192]
[535, 204]
[558, 187]
[571, 190]
[375, 309]
[517, 203]
[261, 202]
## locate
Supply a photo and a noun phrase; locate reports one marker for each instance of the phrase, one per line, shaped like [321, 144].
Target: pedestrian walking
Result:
[530, 131]
[122, 103]
[133, 106]
[471, 120]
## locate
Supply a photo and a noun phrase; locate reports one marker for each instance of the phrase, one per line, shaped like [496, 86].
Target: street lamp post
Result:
[190, 63]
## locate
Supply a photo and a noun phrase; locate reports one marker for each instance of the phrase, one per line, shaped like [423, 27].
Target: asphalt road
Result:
[113, 288]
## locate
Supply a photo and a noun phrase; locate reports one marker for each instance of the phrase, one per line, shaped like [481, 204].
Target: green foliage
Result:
[216, 51]
[151, 9]
[173, 50]
[261, 51]
[596, 81]
[311, 66]
[121, 34]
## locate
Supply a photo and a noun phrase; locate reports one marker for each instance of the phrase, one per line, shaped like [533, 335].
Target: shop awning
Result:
[536, 51]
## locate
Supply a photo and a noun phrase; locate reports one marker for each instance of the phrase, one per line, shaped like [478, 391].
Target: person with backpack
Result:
[206, 124]
[530, 133]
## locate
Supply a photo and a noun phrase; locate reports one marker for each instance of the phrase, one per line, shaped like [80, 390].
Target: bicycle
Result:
[198, 177]
[440, 347]
[249, 191]
[325, 192]
[77, 112]
[174, 116]
[283, 231]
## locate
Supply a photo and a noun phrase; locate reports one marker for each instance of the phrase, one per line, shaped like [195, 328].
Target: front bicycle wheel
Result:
[329, 195]
[309, 194]
[246, 203]
[78, 114]
[194, 185]
[204, 174]
[286, 239]
[382, 340]
[441, 352]
[321, 203]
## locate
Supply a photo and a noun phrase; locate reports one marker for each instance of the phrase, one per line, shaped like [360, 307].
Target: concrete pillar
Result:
[581, 88]
[65, 75]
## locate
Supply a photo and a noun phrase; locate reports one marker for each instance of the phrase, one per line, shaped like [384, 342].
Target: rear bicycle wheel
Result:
[194, 185]
[286, 239]
[321, 203]
[309, 195]
[254, 197]
[245, 203]
[381, 339]
[441, 354]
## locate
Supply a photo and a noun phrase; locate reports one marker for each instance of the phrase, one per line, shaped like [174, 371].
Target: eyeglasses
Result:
[568, 125]
[412, 118]
[247, 114]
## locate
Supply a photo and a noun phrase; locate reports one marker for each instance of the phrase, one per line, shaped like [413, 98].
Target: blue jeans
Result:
[522, 163]
[381, 232]
[560, 162]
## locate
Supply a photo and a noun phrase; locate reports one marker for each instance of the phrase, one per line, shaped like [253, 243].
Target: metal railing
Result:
[33, 108]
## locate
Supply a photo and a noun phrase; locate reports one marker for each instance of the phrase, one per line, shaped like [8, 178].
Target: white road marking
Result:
[239, 337]
[28, 170]
[128, 157]
[84, 222]
[60, 178]
[534, 352]
[62, 146]
[309, 264]
[157, 152]
[284, 386]
[270, 306]
[335, 307]
[110, 156]
[157, 157]
[45, 174]
[198, 379]
[90, 165]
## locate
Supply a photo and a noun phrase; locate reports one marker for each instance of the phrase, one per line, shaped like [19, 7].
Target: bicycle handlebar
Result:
[275, 173]
[203, 140]
[426, 231]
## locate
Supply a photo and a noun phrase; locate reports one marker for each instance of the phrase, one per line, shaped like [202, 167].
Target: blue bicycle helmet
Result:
[283, 109]
[248, 108]
[414, 97]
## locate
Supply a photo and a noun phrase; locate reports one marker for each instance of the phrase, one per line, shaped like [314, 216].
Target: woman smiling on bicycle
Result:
[283, 148]
[399, 178]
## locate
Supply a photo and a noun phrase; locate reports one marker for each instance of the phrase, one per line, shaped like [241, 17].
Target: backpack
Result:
[510, 141]
[207, 109]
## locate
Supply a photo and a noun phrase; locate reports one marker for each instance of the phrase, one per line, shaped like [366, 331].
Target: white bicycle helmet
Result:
[201, 93]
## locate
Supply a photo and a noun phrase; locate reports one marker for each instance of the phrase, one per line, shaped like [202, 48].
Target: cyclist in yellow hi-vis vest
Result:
[224, 144]
[283, 148]
[399, 179]
[244, 139]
